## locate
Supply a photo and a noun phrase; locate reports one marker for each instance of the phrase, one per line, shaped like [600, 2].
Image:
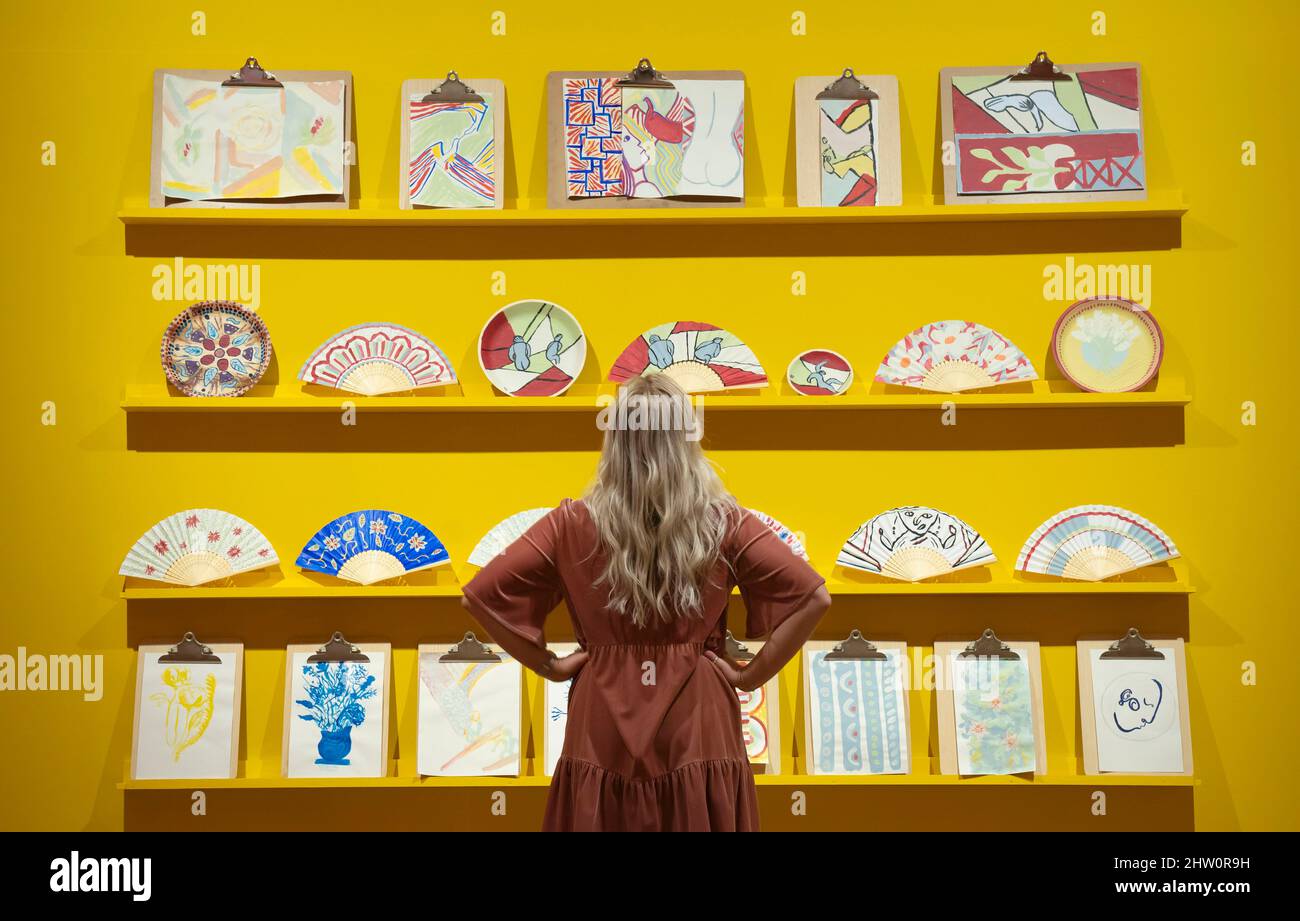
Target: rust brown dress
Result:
[653, 739]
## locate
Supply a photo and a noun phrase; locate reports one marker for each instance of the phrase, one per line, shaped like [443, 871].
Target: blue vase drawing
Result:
[333, 747]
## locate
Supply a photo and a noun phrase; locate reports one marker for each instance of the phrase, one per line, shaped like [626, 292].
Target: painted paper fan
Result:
[1108, 345]
[913, 543]
[372, 545]
[700, 357]
[954, 355]
[1094, 542]
[532, 349]
[197, 546]
[215, 349]
[788, 537]
[376, 358]
[505, 533]
[820, 372]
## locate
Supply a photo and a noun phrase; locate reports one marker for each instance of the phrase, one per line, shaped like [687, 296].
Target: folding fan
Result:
[376, 358]
[372, 545]
[788, 537]
[820, 372]
[532, 349]
[954, 355]
[215, 349]
[913, 543]
[1093, 542]
[197, 546]
[505, 533]
[700, 357]
[1108, 345]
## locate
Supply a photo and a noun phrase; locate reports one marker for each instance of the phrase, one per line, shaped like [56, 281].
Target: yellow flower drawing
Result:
[187, 708]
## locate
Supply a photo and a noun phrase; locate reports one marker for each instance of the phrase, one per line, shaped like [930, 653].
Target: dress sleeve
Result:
[773, 582]
[521, 586]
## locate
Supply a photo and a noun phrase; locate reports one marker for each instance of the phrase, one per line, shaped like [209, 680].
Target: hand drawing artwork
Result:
[453, 156]
[914, 542]
[375, 358]
[848, 152]
[215, 349]
[1094, 542]
[336, 727]
[197, 546]
[954, 355]
[372, 545]
[1108, 345]
[1138, 713]
[714, 163]
[555, 713]
[820, 373]
[256, 143]
[700, 357]
[593, 137]
[657, 124]
[469, 717]
[1014, 137]
[858, 718]
[754, 720]
[994, 710]
[532, 349]
[186, 717]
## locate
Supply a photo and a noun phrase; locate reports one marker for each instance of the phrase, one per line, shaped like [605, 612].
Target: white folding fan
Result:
[505, 533]
[376, 358]
[913, 543]
[1094, 542]
[788, 537]
[954, 355]
[197, 546]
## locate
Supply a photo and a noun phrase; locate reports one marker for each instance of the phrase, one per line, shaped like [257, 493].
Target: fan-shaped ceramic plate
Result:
[700, 357]
[1093, 542]
[197, 546]
[913, 543]
[1108, 345]
[215, 349]
[505, 533]
[372, 545]
[954, 355]
[788, 537]
[532, 349]
[820, 373]
[376, 358]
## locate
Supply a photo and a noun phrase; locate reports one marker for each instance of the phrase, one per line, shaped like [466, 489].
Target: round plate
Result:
[1107, 345]
[532, 349]
[215, 349]
[820, 373]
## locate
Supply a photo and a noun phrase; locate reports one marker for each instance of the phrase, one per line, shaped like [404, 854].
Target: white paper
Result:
[469, 717]
[1139, 721]
[557, 714]
[186, 716]
[994, 712]
[858, 715]
[310, 753]
[714, 163]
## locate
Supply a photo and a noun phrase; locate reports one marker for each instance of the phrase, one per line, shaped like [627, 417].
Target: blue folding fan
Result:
[371, 546]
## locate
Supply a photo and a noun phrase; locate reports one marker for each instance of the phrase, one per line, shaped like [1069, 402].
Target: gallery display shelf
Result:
[292, 398]
[1165, 204]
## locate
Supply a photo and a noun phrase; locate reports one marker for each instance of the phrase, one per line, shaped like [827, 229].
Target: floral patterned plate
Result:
[1108, 345]
[215, 349]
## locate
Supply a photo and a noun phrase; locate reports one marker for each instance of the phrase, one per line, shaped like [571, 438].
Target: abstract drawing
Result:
[1094, 542]
[1078, 135]
[338, 710]
[1108, 345]
[375, 358]
[657, 125]
[263, 143]
[914, 542]
[453, 155]
[196, 546]
[954, 355]
[556, 713]
[994, 710]
[372, 545]
[187, 717]
[714, 161]
[819, 373]
[754, 721]
[848, 151]
[593, 137]
[532, 349]
[505, 533]
[858, 722]
[700, 357]
[1138, 713]
[469, 717]
[215, 349]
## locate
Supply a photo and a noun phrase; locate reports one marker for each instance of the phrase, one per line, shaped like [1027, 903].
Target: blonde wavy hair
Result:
[660, 509]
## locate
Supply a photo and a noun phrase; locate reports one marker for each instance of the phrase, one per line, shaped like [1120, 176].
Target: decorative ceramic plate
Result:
[376, 358]
[215, 349]
[954, 355]
[1108, 345]
[820, 373]
[700, 357]
[532, 349]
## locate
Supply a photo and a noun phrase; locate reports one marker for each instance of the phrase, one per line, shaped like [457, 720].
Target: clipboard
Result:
[251, 74]
[808, 134]
[338, 649]
[855, 646]
[464, 656]
[945, 707]
[556, 161]
[553, 716]
[189, 651]
[494, 92]
[1104, 161]
[1135, 648]
[769, 762]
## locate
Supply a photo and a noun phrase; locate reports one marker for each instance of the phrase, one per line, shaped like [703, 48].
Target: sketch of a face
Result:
[1132, 706]
[919, 521]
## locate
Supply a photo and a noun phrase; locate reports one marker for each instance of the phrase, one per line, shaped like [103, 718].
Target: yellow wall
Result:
[84, 327]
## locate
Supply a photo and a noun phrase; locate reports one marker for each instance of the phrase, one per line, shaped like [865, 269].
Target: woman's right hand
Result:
[562, 668]
[735, 674]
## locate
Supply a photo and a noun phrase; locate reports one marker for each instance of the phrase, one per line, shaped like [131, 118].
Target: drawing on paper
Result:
[700, 357]
[227, 142]
[819, 373]
[1138, 716]
[1078, 135]
[848, 152]
[186, 716]
[187, 702]
[336, 692]
[754, 724]
[858, 718]
[453, 155]
[914, 542]
[995, 716]
[714, 162]
[657, 126]
[469, 720]
[532, 349]
[950, 356]
[593, 137]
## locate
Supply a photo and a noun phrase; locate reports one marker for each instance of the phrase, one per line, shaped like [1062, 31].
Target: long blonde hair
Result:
[659, 507]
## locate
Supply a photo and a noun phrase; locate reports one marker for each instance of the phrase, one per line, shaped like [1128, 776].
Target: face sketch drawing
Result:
[916, 527]
[1133, 702]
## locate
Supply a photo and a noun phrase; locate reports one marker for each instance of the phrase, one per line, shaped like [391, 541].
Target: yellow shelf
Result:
[523, 213]
[292, 398]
